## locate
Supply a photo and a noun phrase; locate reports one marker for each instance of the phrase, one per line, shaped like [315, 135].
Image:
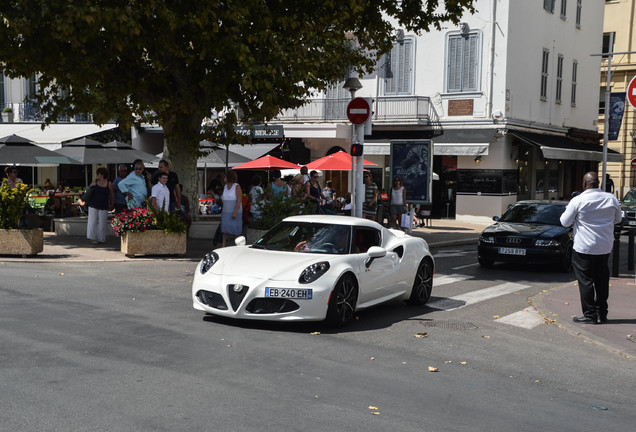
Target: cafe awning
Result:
[448, 142]
[566, 148]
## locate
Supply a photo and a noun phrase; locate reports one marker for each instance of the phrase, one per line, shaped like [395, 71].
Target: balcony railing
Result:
[32, 112]
[386, 109]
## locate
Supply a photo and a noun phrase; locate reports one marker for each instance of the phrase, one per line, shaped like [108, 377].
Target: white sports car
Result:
[314, 268]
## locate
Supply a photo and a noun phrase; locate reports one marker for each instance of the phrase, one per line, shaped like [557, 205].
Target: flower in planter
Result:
[133, 220]
[12, 204]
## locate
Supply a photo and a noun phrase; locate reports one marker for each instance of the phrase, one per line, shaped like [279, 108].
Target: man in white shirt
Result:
[593, 214]
[161, 194]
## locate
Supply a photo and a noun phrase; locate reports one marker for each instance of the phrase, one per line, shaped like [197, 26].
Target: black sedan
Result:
[529, 232]
[628, 208]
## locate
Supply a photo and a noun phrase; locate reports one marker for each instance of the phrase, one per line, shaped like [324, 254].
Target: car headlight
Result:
[547, 243]
[313, 272]
[208, 261]
[487, 239]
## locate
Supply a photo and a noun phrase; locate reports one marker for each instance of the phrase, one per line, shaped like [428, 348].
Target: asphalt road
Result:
[118, 347]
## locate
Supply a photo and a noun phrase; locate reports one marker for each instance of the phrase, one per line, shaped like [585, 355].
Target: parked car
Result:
[628, 209]
[314, 267]
[528, 232]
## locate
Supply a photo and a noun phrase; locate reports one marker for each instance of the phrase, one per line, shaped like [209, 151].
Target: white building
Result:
[509, 98]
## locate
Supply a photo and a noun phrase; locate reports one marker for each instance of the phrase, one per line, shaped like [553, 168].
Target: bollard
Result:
[630, 251]
[616, 251]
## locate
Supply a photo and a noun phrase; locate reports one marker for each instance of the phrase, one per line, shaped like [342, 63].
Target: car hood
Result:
[525, 230]
[264, 264]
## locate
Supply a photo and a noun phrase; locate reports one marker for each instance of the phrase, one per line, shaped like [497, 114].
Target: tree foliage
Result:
[174, 61]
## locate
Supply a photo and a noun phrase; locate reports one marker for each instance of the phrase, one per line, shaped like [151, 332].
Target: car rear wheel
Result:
[566, 263]
[342, 303]
[485, 262]
[423, 284]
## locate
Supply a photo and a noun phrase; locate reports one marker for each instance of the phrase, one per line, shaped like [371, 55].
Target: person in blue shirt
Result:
[135, 186]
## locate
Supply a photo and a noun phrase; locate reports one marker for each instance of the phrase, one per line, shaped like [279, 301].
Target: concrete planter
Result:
[21, 242]
[7, 117]
[153, 242]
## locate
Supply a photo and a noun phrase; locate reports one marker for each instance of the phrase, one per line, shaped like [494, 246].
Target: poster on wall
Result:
[412, 161]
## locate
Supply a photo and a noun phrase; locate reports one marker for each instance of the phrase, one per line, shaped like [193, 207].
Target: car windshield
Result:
[630, 197]
[536, 213]
[307, 237]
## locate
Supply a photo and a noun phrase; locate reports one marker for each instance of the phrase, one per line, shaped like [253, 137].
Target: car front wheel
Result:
[423, 284]
[485, 262]
[342, 303]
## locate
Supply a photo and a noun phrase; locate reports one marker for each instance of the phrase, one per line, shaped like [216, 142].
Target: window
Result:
[31, 87]
[559, 78]
[544, 74]
[575, 66]
[549, 5]
[3, 101]
[398, 68]
[608, 43]
[463, 62]
[336, 100]
[564, 7]
[579, 7]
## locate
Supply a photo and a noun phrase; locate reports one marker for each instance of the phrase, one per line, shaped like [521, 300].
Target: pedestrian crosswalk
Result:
[527, 318]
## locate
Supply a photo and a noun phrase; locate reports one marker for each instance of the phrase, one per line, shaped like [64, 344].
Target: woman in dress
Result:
[101, 201]
[397, 203]
[330, 195]
[232, 213]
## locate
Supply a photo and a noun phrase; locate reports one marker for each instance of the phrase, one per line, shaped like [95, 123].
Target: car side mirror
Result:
[495, 218]
[374, 252]
[240, 241]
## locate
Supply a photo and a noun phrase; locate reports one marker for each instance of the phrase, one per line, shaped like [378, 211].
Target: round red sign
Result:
[634, 163]
[358, 111]
[631, 96]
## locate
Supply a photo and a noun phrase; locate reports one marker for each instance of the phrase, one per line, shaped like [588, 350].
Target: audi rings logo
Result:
[513, 240]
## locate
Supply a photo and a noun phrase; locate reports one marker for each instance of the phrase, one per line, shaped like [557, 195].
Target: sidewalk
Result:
[558, 305]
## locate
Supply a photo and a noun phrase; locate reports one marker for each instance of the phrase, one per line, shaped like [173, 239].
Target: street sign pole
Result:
[358, 112]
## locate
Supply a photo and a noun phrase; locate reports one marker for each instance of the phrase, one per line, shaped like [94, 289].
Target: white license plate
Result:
[298, 294]
[511, 251]
[631, 222]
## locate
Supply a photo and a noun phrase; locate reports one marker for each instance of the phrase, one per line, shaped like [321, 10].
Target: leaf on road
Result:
[486, 337]
[61, 274]
[433, 369]
[420, 335]
[375, 413]
[314, 333]
[496, 316]
[373, 408]
[463, 363]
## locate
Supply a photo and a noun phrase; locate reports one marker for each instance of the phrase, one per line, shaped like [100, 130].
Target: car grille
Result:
[630, 214]
[236, 293]
[212, 299]
[509, 241]
[271, 305]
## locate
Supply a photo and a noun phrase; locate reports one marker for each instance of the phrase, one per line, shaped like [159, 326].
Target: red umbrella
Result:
[340, 161]
[266, 163]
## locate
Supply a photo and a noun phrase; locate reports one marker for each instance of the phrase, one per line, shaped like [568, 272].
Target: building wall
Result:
[619, 18]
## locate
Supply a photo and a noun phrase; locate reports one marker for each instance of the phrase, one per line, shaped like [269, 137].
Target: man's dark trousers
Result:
[592, 272]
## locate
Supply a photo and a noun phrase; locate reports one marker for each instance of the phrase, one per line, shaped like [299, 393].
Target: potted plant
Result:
[275, 210]
[7, 115]
[149, 232]
[13, 240]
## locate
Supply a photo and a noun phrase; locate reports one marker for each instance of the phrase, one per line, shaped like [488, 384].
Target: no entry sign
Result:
[358, 111]
[631, 92]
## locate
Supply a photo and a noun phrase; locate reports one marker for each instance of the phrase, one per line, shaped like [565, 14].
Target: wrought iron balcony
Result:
[30, 111]
[386, 109]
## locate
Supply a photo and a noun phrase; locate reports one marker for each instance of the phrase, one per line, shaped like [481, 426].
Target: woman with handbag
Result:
[397, 202]
[100, 200]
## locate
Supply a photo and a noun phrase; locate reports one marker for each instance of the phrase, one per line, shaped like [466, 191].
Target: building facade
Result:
[505, 96]
[619, 35]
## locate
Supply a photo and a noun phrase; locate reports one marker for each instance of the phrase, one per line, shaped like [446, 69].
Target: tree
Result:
[175, 61]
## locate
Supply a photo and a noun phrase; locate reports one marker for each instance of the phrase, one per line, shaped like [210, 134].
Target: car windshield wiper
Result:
[257, 246]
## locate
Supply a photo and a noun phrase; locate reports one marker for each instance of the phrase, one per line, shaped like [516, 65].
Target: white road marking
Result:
[449, 279]
[452, 253]
[467, 265]
[527, 318]
[476, 296]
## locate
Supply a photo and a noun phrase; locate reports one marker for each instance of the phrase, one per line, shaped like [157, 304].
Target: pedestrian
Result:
[330, 194]
[397, 202]
[609, 184]
[593, 214]
[12, 176]
[370, 197]
[313, 191]
[173, 181]
[232, 213]
[160, 195]
[100, 202]
[257, 198]
[279, 186]
[120, 199]
[135, 186]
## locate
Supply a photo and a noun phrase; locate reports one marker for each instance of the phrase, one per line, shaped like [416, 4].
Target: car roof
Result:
[334, 219]
[544, 202]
